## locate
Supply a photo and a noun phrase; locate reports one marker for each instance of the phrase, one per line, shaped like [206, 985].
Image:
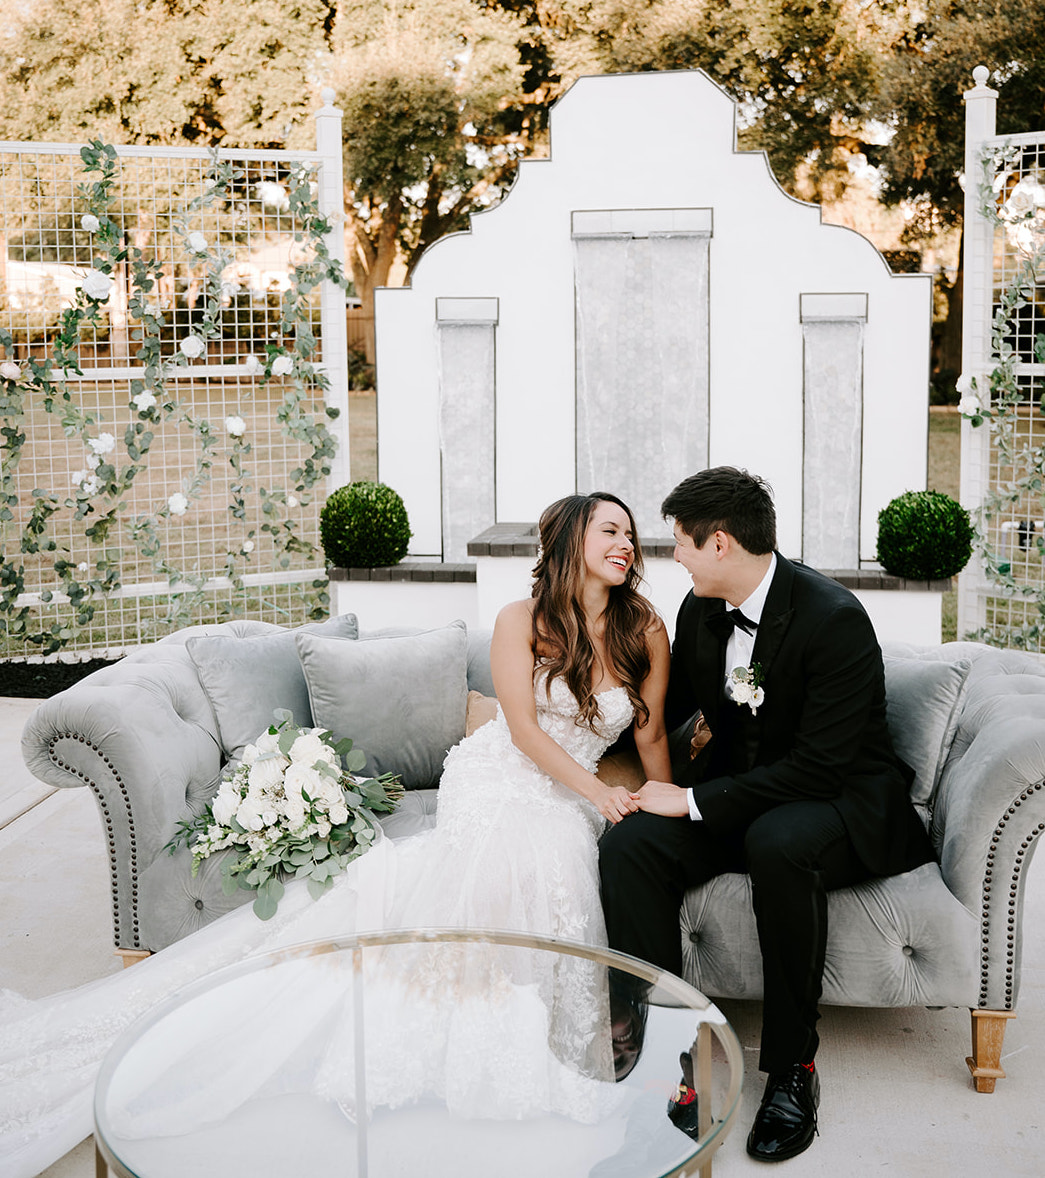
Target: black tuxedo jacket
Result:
[821, 730]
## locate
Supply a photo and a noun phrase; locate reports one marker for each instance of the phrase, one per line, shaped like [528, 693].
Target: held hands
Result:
[661, 797]
[616, 803]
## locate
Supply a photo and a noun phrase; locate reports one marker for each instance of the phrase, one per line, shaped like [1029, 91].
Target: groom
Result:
[800, 787]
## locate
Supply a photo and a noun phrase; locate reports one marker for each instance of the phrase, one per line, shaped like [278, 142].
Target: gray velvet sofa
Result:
[151, 735]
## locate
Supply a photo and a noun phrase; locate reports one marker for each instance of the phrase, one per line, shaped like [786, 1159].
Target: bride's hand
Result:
[617, 803]
[661, 797]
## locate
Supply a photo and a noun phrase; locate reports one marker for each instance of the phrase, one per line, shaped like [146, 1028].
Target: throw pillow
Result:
[923, 708]
[401, 699]
[481, 710]
[247, 679]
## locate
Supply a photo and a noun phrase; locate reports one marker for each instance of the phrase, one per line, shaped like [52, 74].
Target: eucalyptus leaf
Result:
[264, 907]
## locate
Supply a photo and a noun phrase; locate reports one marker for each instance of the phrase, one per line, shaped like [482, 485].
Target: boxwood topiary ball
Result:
[364, 525]
[924, 536]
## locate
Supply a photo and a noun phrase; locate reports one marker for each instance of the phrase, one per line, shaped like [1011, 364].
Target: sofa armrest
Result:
[988, 815]
[142, 736]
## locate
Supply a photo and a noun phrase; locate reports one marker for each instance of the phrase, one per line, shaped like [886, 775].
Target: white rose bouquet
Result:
[292, 808]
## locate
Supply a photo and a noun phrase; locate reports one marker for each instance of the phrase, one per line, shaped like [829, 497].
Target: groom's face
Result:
[703, 564]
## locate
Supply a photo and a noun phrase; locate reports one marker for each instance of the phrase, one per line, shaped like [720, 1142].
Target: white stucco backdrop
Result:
[482, 426]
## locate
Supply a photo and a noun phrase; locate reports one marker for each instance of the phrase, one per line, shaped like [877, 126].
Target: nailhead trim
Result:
[109, 830]
[1012, 900]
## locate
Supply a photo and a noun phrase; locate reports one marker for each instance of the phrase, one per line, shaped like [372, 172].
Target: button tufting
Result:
[199, 905]
[908, 951]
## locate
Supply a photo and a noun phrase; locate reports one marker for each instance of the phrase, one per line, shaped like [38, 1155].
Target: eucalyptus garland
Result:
[995, 401]
[100, 500]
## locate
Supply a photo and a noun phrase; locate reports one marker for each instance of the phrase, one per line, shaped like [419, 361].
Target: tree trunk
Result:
[949, 351]
[370, 255]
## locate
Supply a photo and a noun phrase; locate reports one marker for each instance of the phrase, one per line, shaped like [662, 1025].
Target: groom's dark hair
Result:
[725, 499]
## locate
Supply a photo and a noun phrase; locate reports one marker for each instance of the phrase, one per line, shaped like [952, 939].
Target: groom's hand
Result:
[661, 797]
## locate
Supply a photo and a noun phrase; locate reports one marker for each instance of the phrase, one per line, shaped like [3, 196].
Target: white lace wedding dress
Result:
[512, 849]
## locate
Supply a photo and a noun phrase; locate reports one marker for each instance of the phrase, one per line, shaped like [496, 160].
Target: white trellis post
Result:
[331, 200]
[977, 298]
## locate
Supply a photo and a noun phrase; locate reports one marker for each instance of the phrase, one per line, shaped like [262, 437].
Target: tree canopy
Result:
[443, 97]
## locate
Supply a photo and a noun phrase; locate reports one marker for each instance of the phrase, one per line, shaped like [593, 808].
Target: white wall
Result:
[653, 141]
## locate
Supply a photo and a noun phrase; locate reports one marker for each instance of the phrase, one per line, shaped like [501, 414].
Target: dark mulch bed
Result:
[41, 680]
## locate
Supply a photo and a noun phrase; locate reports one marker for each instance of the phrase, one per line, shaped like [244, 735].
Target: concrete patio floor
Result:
[896, 1093]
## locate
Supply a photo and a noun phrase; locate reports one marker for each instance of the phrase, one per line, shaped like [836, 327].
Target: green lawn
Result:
[944, 466]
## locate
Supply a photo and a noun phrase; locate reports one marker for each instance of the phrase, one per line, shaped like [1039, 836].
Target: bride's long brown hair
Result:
[560, 632]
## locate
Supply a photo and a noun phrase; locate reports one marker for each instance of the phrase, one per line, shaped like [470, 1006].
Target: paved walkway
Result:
[896, 1093]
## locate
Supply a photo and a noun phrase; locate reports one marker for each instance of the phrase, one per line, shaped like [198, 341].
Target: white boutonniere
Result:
[745, 686]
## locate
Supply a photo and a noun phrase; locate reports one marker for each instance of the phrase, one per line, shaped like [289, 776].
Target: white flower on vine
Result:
[177, 504]
[144, 401]
[96, 285]
[102, 444]
[9, 370]
[283, 365]
[91, 485]
[83, 567]
[248, 546]
[235, 426]
[89, 223]
[78, 477]
[93, 461]
[196, 242]
[291, 501]
[273, 195]
[192, 346]
[969, 405]
[253, 365]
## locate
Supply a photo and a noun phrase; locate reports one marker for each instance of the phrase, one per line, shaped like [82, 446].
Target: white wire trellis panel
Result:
[1013, 533]
[45, 253]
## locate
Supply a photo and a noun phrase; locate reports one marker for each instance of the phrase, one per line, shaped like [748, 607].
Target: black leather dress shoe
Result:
[785, 1123]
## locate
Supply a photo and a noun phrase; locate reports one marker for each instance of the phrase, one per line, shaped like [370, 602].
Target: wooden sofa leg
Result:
[132, 956]
[988, 1034]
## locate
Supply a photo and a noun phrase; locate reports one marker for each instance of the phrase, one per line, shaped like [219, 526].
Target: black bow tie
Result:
[722, 624]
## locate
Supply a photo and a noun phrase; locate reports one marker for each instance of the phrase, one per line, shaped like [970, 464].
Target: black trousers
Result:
[795, 854]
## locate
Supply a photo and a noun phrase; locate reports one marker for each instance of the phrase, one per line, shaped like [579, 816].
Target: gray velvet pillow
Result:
[923, 708]
[247, 679]
[401, 699]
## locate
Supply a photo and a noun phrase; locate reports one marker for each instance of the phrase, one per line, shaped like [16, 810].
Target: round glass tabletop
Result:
[423, 1052]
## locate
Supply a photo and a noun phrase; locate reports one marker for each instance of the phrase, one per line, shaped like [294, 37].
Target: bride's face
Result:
[609, 551]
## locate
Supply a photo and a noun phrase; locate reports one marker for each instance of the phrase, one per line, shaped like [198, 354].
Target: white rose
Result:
[282, 366]
[83, 567]
[143, 401]
[291, 501]
[177, 504]
[969, 405]
[248, 546]
[757, 696]
[294, 811]
[300, 778]
[196, 242]
[192, 346]
[269, 817]
[249, 816]
[92, 485]
[253, 365]
[308, 749]
[250, 754]
[267, 743]
[93, 461]
[102, 444]
[339, 814]
[226, 803]
[323, 829]
[235, 426]
[89, 223]
[78, 477]
[9, 370]
[96, 285]
[266, 773]
[273, 195]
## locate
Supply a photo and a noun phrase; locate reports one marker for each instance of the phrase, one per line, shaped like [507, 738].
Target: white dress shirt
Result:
[741, 644]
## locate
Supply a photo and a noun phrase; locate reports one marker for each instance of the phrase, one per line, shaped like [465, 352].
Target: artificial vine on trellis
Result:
[1020, 210]
[103, 485]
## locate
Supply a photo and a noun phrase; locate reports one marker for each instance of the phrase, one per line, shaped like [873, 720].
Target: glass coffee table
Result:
[260, 1068]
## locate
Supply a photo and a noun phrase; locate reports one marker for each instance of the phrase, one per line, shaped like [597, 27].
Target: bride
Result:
[515, 847]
